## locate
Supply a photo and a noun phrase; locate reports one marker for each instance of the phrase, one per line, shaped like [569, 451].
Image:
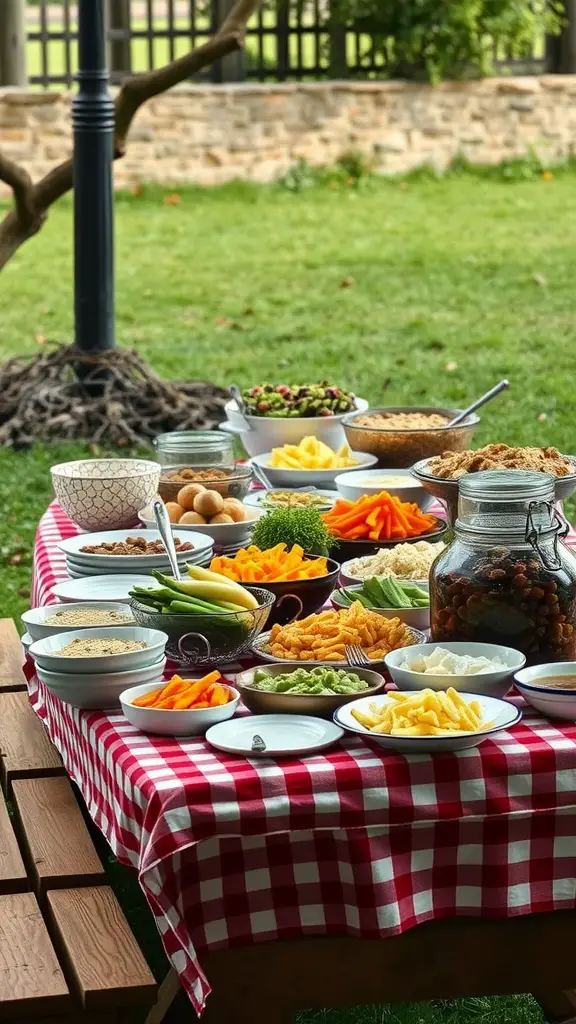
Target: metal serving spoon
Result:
[261, 476]
[480, 401]
[236, 394]
[165, 530]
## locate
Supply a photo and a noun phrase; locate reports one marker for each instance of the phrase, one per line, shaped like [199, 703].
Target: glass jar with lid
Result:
[507, 577]
[195, 448]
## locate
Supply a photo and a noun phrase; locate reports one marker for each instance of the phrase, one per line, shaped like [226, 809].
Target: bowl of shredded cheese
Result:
[403, 562]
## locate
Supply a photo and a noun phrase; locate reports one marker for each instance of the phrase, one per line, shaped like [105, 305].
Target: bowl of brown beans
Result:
[402, 435]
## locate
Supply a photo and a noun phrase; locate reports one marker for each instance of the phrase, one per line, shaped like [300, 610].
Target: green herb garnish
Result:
[303, 526]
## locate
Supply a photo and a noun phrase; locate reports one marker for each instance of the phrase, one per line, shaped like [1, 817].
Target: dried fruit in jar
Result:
[508, 599]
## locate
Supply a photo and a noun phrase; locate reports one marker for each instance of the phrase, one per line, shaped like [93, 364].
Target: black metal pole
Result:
[93, 123]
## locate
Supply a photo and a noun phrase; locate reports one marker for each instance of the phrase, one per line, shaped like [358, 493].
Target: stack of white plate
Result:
[80, 563]
[97, 681]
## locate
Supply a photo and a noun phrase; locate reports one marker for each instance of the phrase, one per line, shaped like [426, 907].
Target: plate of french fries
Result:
[427, 721]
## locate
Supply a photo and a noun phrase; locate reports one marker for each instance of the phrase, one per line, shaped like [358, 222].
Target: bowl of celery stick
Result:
[391, 597]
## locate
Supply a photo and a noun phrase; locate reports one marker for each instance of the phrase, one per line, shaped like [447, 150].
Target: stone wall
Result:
[211, 134]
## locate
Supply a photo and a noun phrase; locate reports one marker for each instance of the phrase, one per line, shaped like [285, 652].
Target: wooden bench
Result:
[67, 954]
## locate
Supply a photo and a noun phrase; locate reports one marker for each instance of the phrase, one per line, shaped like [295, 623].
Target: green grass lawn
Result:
[415, 292]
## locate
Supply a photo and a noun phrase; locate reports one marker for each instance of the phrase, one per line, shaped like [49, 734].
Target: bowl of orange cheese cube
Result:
[301, 583]
[180, 707]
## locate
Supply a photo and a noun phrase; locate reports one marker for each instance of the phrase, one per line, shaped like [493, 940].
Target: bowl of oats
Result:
[52, 619]
[96, 651]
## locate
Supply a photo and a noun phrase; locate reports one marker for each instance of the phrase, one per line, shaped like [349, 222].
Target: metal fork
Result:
[355, 656]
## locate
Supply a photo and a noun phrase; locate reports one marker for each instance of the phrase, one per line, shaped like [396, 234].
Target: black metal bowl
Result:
[349, 549]
[295, 599]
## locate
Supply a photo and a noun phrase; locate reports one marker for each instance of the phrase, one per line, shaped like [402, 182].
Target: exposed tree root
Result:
[113, 398]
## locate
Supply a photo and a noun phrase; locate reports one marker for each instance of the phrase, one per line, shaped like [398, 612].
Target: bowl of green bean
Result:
[388, 596]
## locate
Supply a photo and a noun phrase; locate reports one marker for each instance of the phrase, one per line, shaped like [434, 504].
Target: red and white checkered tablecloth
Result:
[231, 850]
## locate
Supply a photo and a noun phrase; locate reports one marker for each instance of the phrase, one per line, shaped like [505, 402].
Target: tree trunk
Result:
[568, 40]
[119, 30]
[337, 37]
[13, 44]
[230, 68]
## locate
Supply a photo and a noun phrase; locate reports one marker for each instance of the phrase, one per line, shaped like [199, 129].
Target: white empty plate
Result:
[283, 735]
[100, 588]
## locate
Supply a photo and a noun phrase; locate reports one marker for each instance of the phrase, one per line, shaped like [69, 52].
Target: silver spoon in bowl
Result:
[480, 401]
[261, 475]
[165, 530]
[236, 394]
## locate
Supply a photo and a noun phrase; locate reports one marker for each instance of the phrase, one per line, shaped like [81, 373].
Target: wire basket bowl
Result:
[209, 638]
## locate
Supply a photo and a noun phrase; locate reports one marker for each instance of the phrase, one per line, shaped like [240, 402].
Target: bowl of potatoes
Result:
[226, 520]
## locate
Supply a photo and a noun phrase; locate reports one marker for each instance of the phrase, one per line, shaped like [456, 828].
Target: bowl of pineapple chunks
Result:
[310, 462]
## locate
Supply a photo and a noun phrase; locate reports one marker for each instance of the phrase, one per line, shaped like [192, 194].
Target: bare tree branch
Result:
[31, 202]
[21, 184]
[139, 88]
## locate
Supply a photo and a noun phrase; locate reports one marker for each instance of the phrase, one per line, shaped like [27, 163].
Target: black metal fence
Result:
[292, 41]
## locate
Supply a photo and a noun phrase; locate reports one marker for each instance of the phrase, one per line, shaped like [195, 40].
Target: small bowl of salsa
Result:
[550, 688]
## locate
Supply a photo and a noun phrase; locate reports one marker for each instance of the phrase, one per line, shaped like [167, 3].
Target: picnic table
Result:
[245, 864]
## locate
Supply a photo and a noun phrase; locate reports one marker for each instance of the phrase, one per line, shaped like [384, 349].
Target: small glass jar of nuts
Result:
[507, 577]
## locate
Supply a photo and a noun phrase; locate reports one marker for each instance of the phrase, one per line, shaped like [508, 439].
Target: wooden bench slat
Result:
[24, 744]
[54, 836]
[104, 962]
[12, 871]
[11, 657]
[31, 981]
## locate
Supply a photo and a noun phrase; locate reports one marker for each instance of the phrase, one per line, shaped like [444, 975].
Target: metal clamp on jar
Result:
[507, 577]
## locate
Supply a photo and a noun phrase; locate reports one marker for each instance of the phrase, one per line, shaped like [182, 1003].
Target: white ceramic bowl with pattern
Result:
[105, 494]
[552, 701]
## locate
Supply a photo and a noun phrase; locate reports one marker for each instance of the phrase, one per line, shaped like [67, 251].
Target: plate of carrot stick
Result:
[180, 707]
[379, 517]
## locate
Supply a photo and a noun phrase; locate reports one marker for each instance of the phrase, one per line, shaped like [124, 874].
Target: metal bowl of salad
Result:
[313, 689]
